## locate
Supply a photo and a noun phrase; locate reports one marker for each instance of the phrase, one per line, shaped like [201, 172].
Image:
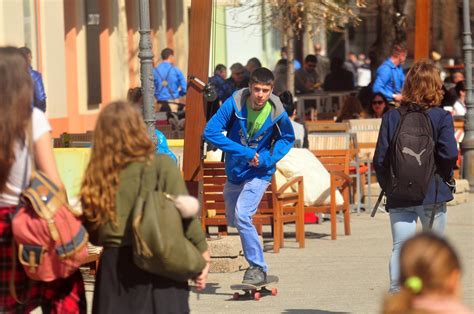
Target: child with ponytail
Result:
[430, 278]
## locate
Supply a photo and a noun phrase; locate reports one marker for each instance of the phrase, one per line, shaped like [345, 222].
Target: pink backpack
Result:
[52, 243]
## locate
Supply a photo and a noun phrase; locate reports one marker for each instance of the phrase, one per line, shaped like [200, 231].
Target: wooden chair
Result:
[271, 211]
[326, 126]
[337, 163]
[366, 133]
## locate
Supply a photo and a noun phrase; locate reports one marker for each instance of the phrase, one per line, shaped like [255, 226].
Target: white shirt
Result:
[15, 183]
[459, 108]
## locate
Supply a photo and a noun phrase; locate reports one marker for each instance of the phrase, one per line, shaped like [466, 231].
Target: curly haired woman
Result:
[121, 148]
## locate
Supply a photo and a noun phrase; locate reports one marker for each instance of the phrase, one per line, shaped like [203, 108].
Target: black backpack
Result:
[411, 155]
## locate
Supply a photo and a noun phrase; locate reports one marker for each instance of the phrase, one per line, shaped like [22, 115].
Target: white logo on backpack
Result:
[410, 152]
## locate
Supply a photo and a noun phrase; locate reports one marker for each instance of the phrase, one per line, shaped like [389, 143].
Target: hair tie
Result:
[414, 283]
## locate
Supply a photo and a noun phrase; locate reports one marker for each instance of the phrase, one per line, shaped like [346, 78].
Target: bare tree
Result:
[391, 28]
[294, 17]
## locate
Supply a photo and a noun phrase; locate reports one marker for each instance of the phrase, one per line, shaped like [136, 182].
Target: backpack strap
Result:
[163, 80]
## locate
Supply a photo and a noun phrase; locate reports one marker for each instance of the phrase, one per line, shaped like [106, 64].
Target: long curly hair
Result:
[16, 95]
[423, 85]
[120, 137]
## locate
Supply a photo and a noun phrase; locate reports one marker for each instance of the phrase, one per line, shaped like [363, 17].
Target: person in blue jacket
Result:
[39, 95]
[169, 81]
[423, 86]
[390, 77]
[259, 134]
[135, 97]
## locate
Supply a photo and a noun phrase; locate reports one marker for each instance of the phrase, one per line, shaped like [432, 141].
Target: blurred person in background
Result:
[237, 77]
[339, 79]
[378, 106]
[459, 107]
[170, 84]
[135, 97]
[306, 77]
[351, 109]
[39, 97]
[390, 77]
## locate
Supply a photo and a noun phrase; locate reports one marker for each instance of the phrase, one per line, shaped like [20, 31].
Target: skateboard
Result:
[255, 292]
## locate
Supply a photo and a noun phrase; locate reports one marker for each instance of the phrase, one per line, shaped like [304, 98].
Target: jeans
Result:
[403, 223]
[241, 202]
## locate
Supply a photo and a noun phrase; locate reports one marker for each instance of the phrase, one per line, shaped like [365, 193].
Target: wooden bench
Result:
[275, 209]
[337, 163]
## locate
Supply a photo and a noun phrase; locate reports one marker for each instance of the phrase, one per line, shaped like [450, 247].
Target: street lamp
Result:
[146, 69]
[468, 142]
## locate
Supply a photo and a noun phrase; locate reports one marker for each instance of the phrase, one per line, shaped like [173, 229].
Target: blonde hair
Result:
[429, 259]
[423, 85]
[120, 137]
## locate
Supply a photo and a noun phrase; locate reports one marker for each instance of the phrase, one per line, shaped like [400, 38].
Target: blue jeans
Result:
[403, 222]
[241, 202]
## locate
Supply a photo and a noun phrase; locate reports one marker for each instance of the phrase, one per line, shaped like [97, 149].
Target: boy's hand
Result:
[254, 162]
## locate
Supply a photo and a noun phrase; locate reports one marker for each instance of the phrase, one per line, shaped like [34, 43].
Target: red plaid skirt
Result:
[59, 296]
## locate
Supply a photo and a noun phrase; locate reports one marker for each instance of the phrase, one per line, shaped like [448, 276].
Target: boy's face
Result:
[259, 94]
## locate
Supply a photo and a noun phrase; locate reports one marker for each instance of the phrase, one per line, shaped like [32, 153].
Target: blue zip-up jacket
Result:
[239, 148]
[176, 86]
[39, 100]
[389, 79]
[446, 154]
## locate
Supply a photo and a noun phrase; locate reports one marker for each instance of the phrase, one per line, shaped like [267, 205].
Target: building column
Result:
[177, 31]
[158, 28]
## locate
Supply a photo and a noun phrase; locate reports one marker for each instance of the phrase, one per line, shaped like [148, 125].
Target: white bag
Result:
[302, 162]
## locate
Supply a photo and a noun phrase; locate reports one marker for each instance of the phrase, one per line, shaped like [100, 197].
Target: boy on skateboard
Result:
[259, 134]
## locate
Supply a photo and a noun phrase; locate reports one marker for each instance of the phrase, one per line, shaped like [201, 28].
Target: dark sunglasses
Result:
[377, 102]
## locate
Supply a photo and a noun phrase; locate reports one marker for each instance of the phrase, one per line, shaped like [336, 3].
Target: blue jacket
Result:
[446, 154]
[223, 88]
[162, 146]
[389, 79]
[39, 100]
[176, 84]
[239, 148]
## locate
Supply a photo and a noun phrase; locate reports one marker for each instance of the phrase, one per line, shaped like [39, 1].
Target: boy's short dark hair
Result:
[262, 76]
[311, 58]
[166, 53]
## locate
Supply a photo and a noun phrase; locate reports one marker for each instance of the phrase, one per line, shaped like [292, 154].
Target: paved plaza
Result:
[348, 275]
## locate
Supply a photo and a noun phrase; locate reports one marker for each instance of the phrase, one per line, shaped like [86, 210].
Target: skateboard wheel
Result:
[274, 291]
[256, 296]
[236, 296]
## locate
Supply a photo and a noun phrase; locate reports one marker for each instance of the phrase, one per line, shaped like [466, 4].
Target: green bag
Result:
[159, 243]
